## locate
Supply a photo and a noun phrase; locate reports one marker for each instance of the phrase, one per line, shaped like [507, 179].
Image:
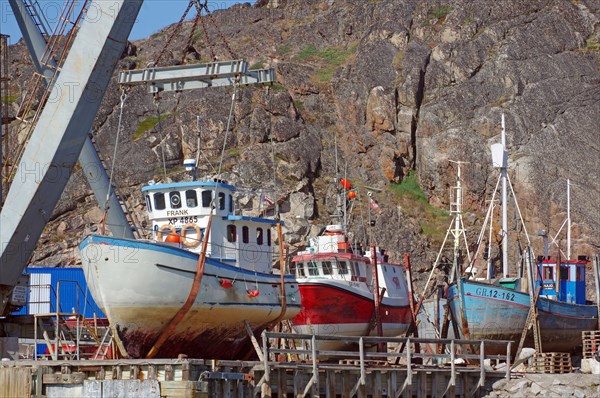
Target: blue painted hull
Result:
[499, 313]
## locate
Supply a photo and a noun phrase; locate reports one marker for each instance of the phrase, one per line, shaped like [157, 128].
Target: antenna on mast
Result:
[456, 227]
[500, 160]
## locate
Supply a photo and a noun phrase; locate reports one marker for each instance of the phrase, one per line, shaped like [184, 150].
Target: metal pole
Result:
[568, 220]
[376, 296]
[596, 266]
[504, 206]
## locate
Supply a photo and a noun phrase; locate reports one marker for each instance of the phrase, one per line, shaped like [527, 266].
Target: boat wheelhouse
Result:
[179, 214]
[566, 285]
[337, 286]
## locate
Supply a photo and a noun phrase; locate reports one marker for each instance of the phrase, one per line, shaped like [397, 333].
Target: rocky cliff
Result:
[399, 88]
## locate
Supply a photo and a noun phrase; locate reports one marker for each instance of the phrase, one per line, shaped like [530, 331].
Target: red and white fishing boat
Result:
[337, 286]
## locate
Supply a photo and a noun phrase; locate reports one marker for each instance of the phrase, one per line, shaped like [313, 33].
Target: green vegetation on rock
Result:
[8, 99]
[147, 124]
[414, 203]
[329, 58]
[440, 12]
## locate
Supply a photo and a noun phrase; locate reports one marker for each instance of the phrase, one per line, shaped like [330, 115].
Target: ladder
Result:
[33, 7]
[533, 321]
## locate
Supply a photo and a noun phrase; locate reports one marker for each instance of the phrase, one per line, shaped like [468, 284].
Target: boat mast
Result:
[504, 172]
[568, 219]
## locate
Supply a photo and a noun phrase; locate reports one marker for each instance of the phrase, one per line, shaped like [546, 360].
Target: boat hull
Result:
[140, 286]
[498, 313]
[331, 308]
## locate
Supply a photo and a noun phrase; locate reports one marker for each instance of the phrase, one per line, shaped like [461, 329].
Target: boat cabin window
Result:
[564, 273]
[548, 274]
[313, 268]
[159, 201]
[268, 237]
[259, 236]
[327, 268]
[148, 203]
[245, 234]
[301, 270]
[231, 233]
[230, 204]
[221, 200]
[206, 198]
[175, 200]
[293, 268]
[342, 268]
[191, 198]
[356, 268]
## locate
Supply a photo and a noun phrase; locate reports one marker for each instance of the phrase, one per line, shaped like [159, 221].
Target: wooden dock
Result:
[290, 365]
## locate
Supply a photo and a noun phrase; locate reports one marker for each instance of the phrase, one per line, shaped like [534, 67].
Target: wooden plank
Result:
[377, 386]
[392, 384]
[16, 382]
[281, 383]
[255, 344]
[330, 386]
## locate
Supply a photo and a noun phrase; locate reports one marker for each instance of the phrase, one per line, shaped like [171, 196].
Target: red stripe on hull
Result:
[325, 304]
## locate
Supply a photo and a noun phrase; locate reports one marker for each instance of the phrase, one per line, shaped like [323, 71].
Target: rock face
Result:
[396, 86]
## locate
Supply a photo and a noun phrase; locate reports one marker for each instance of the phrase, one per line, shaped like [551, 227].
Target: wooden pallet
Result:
[552, 362]
[591, 342]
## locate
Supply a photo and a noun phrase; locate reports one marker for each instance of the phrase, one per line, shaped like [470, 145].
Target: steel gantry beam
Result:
[189, 77]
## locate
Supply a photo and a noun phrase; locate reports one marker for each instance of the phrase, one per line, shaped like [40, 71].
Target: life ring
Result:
[162, 229]
[191, 242]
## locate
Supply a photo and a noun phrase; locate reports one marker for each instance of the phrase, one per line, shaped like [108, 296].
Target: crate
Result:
[551, 362]
[591, 342]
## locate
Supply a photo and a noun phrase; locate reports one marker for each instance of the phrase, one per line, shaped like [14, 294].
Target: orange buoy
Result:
[226, 283]
[173, 238]
[345, 184]
[351, 195]
[253, 293]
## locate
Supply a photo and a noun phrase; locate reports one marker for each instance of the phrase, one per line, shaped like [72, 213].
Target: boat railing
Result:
[305, 347]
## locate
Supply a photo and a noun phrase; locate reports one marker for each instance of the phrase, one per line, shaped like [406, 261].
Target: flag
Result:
[373, 205]
[266, 199]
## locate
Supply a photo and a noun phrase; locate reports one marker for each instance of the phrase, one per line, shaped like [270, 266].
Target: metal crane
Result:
[29, 18]
[59, 135]
[61, 130]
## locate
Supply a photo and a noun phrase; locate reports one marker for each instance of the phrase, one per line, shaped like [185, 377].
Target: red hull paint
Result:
[326, 305]
[212, 344]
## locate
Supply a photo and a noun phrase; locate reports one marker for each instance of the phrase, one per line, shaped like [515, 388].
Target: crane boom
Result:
[88, 159]
[60, 133]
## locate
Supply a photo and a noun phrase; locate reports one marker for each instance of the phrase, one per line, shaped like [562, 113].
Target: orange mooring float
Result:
[345, 184]
[173, 237]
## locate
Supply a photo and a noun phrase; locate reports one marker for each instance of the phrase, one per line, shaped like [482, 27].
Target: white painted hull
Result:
[140, 286]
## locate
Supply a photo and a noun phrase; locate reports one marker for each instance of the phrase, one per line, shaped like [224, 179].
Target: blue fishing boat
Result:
[498, 308]
[496, 312]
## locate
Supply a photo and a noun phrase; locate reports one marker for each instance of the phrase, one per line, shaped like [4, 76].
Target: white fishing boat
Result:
[191, 288]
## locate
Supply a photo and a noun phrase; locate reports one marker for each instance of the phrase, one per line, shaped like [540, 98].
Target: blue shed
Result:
[46, 283]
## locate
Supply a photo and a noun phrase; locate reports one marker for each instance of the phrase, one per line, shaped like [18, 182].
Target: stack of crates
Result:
[552, 362]
[591, 343]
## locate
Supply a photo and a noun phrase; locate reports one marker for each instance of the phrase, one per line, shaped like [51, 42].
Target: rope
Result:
[160, 132]
[235, 87]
